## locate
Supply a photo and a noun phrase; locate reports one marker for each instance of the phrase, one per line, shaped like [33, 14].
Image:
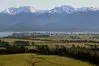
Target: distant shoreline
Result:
[7, 33]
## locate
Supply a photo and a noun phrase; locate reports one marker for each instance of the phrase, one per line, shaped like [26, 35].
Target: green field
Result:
[51, 60]
[46, 60]
[38, 42]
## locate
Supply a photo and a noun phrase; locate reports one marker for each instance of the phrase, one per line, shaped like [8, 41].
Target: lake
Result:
[3, 34]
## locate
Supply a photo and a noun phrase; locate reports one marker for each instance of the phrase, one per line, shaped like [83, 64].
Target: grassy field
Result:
[44, 42]
[25, 60]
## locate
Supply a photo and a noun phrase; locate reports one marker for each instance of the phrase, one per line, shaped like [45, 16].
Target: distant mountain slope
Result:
[63, 18]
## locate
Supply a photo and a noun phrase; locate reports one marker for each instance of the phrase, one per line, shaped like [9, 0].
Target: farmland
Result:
[73, 50]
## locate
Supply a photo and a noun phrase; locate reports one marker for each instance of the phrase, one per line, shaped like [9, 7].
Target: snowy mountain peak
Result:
[83, 9]
[32, 9]
[10, 11]
[26, 9]
[95, 8]
[62, 9]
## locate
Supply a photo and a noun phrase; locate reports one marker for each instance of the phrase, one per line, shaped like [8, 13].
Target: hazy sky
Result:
[47, 4]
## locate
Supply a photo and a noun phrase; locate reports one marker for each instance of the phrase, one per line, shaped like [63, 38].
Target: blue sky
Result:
[47, 4]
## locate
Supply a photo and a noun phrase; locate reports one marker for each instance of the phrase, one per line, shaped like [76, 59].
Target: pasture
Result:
[48, 60]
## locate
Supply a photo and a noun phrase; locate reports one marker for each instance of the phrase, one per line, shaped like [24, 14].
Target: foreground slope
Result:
[22, 60]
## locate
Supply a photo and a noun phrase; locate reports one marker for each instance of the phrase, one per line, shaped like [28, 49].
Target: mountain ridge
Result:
[63, 18]
[61, 9]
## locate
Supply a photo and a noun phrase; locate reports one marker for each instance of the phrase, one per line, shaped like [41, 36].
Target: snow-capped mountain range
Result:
[62, 9]
[63, 18]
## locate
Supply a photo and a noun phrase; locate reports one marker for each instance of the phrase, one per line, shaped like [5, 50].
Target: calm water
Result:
[3, 34]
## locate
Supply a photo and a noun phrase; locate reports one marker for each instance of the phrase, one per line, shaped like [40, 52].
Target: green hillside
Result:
[42, 60]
